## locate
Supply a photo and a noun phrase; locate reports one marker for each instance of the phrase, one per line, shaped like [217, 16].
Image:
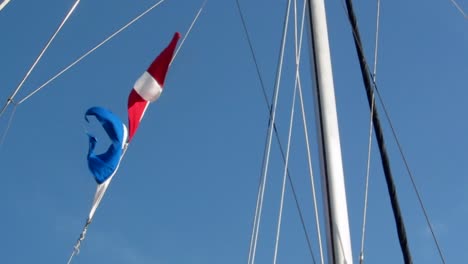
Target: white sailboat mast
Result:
[336, 211]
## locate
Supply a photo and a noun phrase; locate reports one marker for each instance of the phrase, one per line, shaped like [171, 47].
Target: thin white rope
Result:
[189, 30]
[288, 145]
[71, 257]
[459, 8]
[90, 51]
[76, 247]
[7, 128]
[285, 174]
[244, 26]
[311, 174]
[253, 249]
[3, 4]
[377, 31]
[296, 45]
[366, 192]
[306, 134]
[10, 99]
[410, 174]
[257, 206]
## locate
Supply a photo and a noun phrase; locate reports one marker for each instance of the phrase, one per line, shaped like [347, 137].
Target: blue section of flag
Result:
[104, 165]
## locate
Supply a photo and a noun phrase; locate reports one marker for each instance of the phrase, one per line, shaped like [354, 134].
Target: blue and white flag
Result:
[104, 166]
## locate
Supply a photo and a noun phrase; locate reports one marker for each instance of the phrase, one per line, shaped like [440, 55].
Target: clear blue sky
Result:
[186, 190]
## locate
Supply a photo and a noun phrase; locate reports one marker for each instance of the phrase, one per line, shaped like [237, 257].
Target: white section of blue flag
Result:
[102, 188]
[105, 165]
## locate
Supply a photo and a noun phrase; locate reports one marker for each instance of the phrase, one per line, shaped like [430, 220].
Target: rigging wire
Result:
[355, 33]
[291, 184]
[283, 188]
[376, 51]
[91, 51]
[413, 182]
[190, 29]
[271, 122]
[411, 176]
[366, 192]
[312, 179]
[459, 8]
[12, 96]
[249, 41]
[369, 88]
[257, 208]
[296, 85]
[76, 248]
[306, 135]
[100, 194]
[7, 128]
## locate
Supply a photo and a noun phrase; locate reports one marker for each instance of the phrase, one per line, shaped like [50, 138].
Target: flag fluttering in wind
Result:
[104, 166]
[149, 86]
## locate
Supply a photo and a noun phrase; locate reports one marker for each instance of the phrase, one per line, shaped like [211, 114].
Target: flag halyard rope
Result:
[39, 57]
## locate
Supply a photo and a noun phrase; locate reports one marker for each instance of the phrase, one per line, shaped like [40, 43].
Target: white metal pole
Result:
[334, 193]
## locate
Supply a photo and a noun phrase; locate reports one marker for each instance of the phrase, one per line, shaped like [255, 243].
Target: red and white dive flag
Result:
[149, 86]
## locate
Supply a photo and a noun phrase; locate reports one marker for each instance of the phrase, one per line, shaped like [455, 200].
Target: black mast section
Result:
[379, 135]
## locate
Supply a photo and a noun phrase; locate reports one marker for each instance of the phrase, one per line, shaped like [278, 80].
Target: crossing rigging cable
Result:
[281, 149]
[371, 87]
[51, 39]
